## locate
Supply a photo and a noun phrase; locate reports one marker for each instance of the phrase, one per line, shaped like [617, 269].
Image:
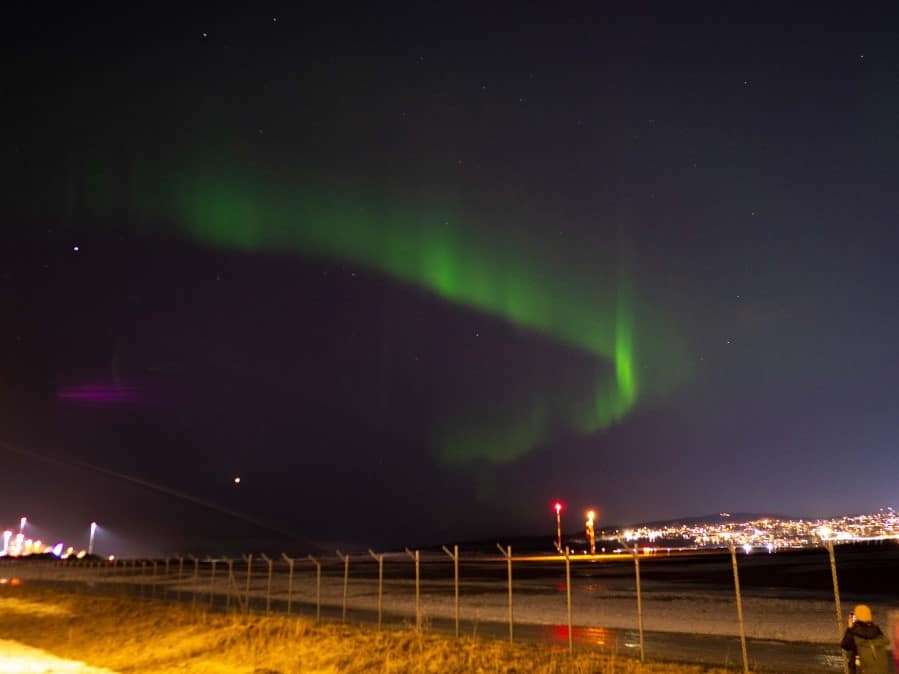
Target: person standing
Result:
[865, 644]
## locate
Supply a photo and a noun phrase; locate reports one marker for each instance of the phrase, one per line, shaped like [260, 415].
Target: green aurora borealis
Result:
[433, 245]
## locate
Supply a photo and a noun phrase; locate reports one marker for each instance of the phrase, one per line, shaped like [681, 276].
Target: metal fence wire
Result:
[443, 590]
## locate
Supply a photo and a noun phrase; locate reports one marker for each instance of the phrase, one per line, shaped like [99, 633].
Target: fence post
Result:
[568, 599]
[454, 555]
[249, 561]
[140, 579]
[836, 599]
[346, 579]
[507, 553]
[733, 557]
[380, 560]
[268, 586]
[635, 551]
[180, 575]
[193, 584]
[416, 557]
[318, 587]
[639, 602]
[212, 582]
[289, 579]
[232, 584]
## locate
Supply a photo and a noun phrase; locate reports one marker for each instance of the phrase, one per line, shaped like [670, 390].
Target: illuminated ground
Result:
[152, 637]
[16, 658]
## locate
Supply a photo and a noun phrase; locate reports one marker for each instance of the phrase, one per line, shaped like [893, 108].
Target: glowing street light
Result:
[90, 544]
[591, 531]
[558, 508]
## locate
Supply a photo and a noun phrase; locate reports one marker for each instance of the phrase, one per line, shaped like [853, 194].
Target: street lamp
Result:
[591, 531]
[90, 544]
[558, 508]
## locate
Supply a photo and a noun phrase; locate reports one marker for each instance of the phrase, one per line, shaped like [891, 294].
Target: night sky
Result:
[415, 273]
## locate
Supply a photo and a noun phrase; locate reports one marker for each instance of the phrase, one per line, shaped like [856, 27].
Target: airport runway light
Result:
[591, 530]
[90, 543]
[558, 508]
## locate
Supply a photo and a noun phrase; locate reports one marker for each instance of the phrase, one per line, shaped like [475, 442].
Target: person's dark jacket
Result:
[866, 641]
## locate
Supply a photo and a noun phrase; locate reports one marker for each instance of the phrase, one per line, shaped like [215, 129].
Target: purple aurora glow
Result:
[99, 394]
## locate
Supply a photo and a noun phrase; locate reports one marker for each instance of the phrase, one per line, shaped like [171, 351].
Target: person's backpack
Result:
[872, 655]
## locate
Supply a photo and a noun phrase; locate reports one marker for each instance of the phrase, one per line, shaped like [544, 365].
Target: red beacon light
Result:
[558, 507]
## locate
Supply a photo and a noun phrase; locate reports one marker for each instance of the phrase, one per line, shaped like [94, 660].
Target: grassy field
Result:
[134, 636]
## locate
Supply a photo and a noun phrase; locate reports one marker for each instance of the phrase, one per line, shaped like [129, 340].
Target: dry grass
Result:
[133, 636]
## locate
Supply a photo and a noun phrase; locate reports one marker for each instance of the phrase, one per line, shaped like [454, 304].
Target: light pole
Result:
[558, 509]
[90, 543]
[591, 531]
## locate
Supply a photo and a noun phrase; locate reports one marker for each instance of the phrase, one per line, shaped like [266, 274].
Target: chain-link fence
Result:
[570, 600]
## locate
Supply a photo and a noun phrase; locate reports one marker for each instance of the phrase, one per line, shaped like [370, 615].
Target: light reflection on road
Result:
[595, 636]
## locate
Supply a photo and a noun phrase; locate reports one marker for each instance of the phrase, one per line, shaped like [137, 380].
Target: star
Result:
[76, 248]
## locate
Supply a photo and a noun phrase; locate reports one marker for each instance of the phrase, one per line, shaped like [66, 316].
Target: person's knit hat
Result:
[863, 613]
